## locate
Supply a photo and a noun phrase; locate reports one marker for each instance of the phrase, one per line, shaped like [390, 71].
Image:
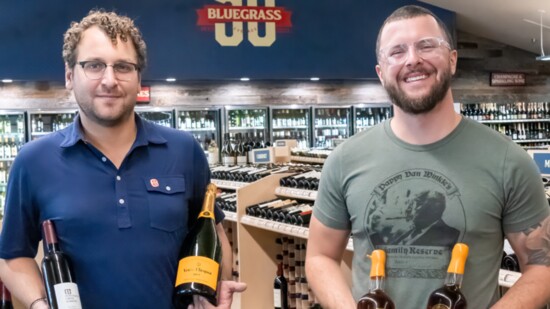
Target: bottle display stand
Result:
[256, 238]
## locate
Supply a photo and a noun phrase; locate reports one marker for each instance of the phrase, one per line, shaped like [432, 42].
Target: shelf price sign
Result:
[542, 159]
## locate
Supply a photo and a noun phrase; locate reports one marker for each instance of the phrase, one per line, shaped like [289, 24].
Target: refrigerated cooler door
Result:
[160, 117]
[204, 125]
[250, 123]
[366, 117]
[331, 123]
[291, 123]
[45, 122]
[12, 138]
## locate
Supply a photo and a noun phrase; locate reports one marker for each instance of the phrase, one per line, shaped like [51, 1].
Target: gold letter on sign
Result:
[269, 36]
[237, 37]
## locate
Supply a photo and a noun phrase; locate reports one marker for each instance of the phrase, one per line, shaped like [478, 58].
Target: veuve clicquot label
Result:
[198, 269]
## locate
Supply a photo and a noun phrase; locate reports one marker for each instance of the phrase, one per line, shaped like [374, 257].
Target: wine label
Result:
[277, 298]
[198, 269]
[67, 296]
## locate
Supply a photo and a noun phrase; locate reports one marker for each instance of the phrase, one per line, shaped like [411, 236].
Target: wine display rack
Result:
[256, 237]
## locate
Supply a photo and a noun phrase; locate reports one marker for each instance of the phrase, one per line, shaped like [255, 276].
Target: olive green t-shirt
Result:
[417, 201]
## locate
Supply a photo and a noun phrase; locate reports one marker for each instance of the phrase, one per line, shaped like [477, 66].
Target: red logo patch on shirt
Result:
[154, 182]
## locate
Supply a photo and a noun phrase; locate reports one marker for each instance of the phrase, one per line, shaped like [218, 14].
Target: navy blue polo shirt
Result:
[122, 228]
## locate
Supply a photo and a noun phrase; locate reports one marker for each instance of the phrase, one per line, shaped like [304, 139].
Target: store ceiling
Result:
[503, 20]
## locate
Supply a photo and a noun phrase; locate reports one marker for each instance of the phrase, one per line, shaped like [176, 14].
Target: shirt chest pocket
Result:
[167, 202]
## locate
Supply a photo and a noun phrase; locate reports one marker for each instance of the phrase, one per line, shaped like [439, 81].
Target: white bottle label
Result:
[67, 296]
[277, 298]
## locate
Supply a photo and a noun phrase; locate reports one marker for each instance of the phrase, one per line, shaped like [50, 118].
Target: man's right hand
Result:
[225, 296]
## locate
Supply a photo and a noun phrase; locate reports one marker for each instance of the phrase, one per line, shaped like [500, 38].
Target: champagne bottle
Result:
[376, 297]
[5, 301]
[200, 258]
[449, 295]
[280, 289]
[61, 288]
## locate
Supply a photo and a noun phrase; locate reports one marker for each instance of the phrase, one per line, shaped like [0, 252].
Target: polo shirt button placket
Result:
[121, 201]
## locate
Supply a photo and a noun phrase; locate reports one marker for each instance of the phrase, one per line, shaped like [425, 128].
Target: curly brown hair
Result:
[114, 25]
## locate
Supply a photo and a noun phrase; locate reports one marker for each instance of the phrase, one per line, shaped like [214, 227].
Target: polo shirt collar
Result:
[146, 133]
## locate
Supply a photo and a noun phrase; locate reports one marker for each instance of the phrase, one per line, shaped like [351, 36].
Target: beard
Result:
[422, 104]
[110, 121]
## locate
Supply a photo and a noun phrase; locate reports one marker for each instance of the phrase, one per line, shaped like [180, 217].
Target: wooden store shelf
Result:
[296, 193]
[230, 216]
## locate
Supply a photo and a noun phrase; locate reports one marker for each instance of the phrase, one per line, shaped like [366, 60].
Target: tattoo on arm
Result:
[538, 243]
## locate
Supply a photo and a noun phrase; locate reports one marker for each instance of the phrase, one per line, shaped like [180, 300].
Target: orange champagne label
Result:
[198, 269]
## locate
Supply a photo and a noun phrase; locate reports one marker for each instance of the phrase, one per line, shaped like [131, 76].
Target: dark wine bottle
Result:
[376, 298]
[449, 295]
[61, 288]
[280, 289]
[200, 258]
[6, 298]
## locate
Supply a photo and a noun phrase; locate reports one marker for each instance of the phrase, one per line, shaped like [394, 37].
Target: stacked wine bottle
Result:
[291, 289]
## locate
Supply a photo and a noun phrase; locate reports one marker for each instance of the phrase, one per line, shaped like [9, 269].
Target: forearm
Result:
[327, 282]
[23, 279]
[227, 254]
[529, 291]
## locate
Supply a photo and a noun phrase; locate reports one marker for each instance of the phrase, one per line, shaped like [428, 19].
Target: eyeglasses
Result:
[96, 69]
[425, 48]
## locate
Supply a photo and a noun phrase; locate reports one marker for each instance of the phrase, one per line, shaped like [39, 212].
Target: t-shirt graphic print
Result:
[416, 216]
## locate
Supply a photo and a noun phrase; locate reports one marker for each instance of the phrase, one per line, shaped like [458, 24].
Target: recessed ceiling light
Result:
[244, 79]
[170, 79]
[314, 79]
[7, 80]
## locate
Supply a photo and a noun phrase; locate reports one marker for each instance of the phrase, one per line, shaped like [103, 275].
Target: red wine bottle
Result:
[6, 297]
[280, 289]
[200, 258]
[61, 288]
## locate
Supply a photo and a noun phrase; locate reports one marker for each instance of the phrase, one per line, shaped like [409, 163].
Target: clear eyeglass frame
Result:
[95, 69]
[425, 48]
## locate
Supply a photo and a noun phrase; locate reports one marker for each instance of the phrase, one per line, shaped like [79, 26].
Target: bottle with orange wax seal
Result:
[376, 298]
[449, 295]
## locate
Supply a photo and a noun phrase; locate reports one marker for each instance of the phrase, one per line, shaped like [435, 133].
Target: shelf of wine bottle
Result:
[228, 184]
[282, 228]
[303, 159]
[290, 256]
[296, 193]
[230, 216]
[511, 111]
[289, 127]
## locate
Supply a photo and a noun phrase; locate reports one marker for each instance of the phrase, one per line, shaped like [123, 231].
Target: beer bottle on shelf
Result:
[61, 287]
[200, 258]
[449, 295]
[376, 297]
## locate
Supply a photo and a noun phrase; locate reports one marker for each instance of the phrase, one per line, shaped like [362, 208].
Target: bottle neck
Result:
[52, 247]
[207, 210]
[453, 279]
[376, 283]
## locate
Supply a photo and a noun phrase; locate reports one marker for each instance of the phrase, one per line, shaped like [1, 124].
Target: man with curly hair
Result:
[122, 192]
